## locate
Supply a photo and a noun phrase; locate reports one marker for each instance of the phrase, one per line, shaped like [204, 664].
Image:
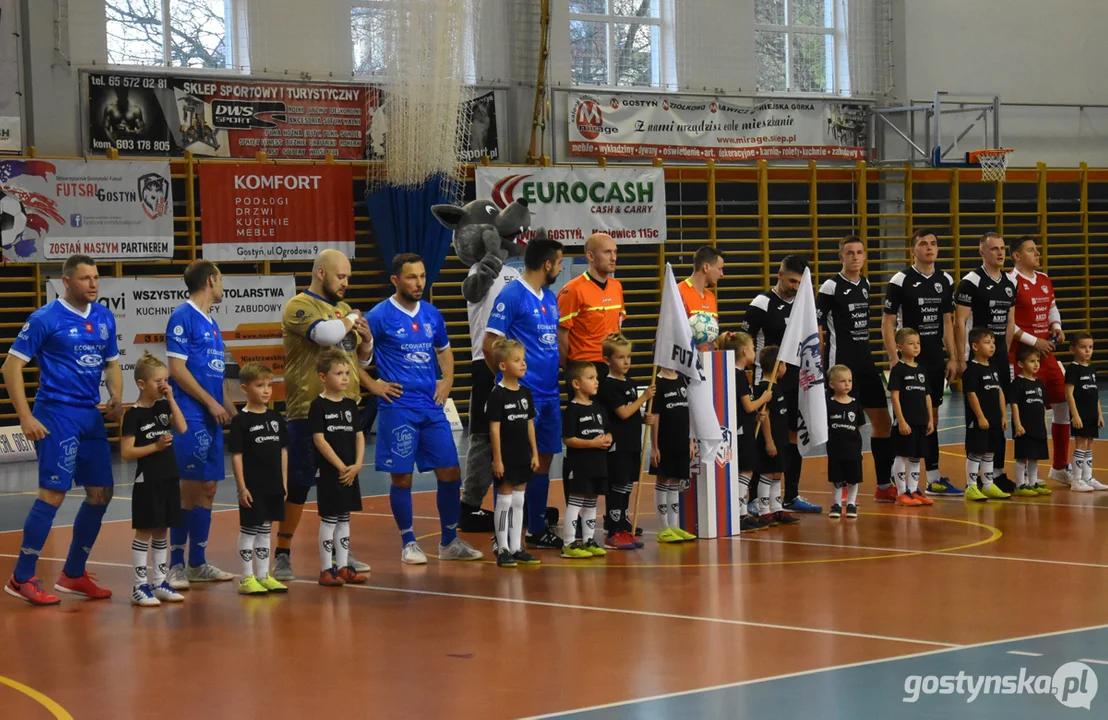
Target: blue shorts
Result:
[301, 448]
[200, 451]
[548, 426]
[77, 439]
[408, 437]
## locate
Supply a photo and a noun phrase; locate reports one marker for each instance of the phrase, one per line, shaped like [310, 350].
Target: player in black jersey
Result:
[845, 417]
[986, 297]
[765, 321]
[843, 309]
[921, 297]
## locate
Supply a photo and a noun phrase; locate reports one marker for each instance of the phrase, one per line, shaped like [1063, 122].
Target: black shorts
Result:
[869, 388]
[983, 442]
[790, 383]
[1029, 448]
[298, 494]
[514, 475]
[673, 465]
[1088, 429]
[587, 486]
[483, 381]
[333, 498]
[748, 450]
[624, 468]
[155, 504]
[843, 471]
[936, 380]
[913, 445]
[768, 465]
[263, 509]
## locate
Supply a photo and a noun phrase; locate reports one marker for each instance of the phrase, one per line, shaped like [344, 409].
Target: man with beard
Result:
[765, 321]
[696, 294]
[527, 311]
[313, 321]
[412, 430]
[921, 297]
[590, 306]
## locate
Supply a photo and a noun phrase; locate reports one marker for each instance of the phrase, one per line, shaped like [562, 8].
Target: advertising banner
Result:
[574, 202]
[255, 211]
[693, 129]
[51, 209]
[482, 137]
[249, 318]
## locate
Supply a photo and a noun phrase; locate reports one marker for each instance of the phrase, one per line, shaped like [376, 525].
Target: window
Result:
[624, 43]
[177, 33]
[801, 46]
[375, 25]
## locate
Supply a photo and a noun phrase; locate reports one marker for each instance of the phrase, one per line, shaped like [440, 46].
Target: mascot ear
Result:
[448, 215]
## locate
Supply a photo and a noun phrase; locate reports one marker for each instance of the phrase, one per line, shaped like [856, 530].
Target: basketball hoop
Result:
[994, 163]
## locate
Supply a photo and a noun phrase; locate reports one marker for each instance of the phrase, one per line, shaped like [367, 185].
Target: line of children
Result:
[845, 417]
[671, 453]
[1028, 401]
[912, 423]
[587, 436]
[1086, 418]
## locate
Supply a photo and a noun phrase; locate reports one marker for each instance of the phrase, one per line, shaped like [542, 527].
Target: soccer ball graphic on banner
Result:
[705, 328]
[13, 219]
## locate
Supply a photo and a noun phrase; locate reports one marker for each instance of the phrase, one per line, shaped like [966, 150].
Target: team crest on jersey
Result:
[349, 417]
[103, 331]
[163, 419]
[1045, 289]
[684, 392]
[274, 426]
[523, 403]
[922, 378]
[428, 330]
[88, 327]
[865, 293]
[1008, 291]
[938, 287]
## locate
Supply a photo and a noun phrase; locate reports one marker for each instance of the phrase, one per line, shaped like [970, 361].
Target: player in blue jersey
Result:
[197, 360]
[528, 312]
[75, 342]
[412, 429]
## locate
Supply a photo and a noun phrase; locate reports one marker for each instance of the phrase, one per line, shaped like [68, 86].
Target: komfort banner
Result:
[110, 210]
[249, 318]
[255, 211]
[673, 128]
[572, 203]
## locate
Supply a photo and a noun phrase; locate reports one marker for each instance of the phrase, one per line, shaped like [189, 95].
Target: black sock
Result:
[882, 459]
[278, 552]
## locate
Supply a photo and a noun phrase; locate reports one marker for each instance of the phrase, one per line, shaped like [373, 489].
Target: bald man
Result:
[590, 306]
[313, 321]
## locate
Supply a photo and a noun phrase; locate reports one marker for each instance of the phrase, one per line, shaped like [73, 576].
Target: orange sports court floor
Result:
[993, 610]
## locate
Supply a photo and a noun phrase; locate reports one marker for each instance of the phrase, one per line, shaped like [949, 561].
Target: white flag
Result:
[800, 348]
[674, 349]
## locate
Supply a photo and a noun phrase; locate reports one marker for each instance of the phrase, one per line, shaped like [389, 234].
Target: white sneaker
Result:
[1096, 484]
[412, 555]
[1061, 475]
[459, 549]
[165, 593]
[207, 573]
[176, 578]
[143, 596]
[282, 568]
[358, 565]
[1081, 486]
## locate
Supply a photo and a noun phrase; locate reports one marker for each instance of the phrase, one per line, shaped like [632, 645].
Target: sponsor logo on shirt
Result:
[420, 358]
[90, 361]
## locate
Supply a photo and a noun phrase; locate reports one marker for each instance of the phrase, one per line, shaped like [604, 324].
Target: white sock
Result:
[326, 541]
[900, 468]
[159, 551]
[138, 560]
[569, 522]
[342, 541]
[516, 521]
[973, 470]
[1021, 473]
[1032, 473]
[932, 476]
[588, 518]
[261, 550]
[986, 472]
[501, 510]
[775, 496]
[744, 493]
[1087, 472]
[765, 486]
[661, 501]
[852, 495]
[911, 470]
[674, 497]
[246, 550]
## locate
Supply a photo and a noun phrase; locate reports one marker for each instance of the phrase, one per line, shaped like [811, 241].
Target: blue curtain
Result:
[403, 223]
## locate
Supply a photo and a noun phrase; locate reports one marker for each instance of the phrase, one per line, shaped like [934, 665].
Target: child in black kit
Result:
[845, 417]
[1027, 396]
[585, 430]
[340, 449]
[911, 399]
[986, 416]
[620, 397]
[671, 452]
[773, 439]
[1086, 419]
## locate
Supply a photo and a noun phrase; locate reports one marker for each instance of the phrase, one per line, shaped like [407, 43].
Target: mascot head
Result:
[482, 229]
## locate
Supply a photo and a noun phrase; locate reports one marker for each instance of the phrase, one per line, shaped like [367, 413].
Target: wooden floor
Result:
[475, 641]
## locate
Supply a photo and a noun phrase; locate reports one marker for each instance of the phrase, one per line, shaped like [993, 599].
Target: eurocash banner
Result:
[574, 202]
[117, 210]
[674, 128]
[249, 318]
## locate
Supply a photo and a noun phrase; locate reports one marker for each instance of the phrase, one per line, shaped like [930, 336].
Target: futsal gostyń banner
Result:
[674, 128]
[249, 318]
[255, 211]
[118, 210]
[572, 203]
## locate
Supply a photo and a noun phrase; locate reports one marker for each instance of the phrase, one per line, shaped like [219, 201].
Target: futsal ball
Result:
[705, 329]
[13, 219]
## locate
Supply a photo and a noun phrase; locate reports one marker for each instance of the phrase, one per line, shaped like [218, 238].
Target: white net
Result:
[994, 165]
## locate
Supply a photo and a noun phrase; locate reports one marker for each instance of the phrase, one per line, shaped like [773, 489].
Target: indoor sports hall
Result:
[148, 135]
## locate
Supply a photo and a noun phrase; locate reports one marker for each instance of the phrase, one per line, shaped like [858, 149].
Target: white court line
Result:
[1021, 652]
[1095, 662]
[803, 673]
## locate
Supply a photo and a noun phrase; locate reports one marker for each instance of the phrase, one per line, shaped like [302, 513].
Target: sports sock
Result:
[1021, 473]
[932, 477]
[516, 521]
[538, 487]
[179, 539]
[501, 512]
[973, 470]
[986, 472]
[138, 561]
[342, 541]
[615, 507]
[744, 486]
[931, 458]
[775, 496]
[765, 485]
[900, 469]
[262, 537]
[400, 500]
[852, 495]
[1086, 465]
[1032, 473]
[246, 550]
[86, 526]
[911, 474]
[200, 525]
[158, 552]
[674, 497]
[1060, 434]
[279, 551]
[661, 502]
[449, 500]
[326, 541]
[588, 520]
[35, 530]
[569, 522]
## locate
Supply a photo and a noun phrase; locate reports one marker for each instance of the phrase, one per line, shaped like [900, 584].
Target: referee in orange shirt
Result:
[707, 272]
[590, 306]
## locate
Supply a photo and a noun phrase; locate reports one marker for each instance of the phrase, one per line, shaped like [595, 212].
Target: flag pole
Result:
[772, 380]
[642, 451]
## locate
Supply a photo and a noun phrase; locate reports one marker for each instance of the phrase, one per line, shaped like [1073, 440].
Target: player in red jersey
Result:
[1038, 324]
